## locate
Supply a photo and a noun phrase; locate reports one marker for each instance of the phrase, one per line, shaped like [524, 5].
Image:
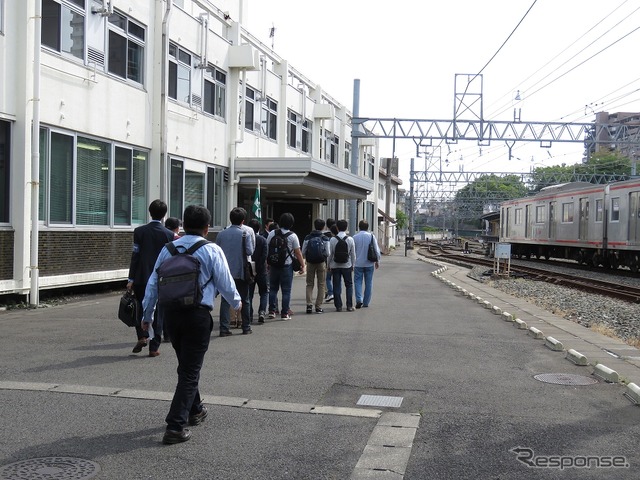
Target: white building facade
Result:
[134, 100]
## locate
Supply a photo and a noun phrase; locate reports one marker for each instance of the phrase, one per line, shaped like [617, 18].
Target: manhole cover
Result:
[565, 379]
[379, 401]
[50, 468]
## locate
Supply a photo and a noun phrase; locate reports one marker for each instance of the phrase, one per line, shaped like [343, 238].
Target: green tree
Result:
[486, 193]
[602, 167]
[401, 219]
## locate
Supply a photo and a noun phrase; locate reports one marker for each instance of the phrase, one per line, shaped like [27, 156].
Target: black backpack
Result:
[316, 248]
[278, 249]
[341, 253]
[178, 278]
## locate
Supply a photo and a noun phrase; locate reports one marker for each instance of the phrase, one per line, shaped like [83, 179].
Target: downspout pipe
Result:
[355, 155]
[233, 194]
[164, 104]
[34, 296]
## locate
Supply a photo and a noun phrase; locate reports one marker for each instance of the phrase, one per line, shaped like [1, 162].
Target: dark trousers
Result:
[340, 274]
[263, 294]
[243, 289]
[190, 336]
[155, 342]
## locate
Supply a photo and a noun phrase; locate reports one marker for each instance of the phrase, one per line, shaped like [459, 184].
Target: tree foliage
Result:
[486, 193]
[401, 219]
[601, 167]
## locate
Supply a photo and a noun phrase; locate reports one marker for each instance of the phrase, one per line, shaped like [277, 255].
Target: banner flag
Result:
[257, 211]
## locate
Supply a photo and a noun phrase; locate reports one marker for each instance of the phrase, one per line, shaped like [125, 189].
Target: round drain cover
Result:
[50, 468]
[565, 379]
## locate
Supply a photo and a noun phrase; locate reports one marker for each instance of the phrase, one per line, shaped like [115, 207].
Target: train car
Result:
[592, 224]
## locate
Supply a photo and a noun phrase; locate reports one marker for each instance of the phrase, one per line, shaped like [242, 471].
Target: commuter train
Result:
[592, 224]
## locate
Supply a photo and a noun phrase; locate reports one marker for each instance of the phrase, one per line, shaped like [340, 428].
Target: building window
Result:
[347, 155]
[567, 213]
[176, 188]
[269, 118]
[599, 210]
[217, 197]
[334, 142]
[63, 26]
[541, 216]
[517, 216]
[215, 92]
[307, 128]
[293, 128]
[126, 48]
[179, 74]
[5, 151]
[1, 16]
[615, 209]
[193, 188]
[89, 170]
[249, 109]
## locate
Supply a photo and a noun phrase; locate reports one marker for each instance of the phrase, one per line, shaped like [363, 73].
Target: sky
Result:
[567, 58]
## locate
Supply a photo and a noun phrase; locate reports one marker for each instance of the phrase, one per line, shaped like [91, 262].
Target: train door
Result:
[527, 219]
[583, 225]
[634, 218]
[552, 220]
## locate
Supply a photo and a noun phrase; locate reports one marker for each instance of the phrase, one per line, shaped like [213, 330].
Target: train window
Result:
[541, 214]
[567, 213]
[599, 210]
[518, 217]
[615, 209]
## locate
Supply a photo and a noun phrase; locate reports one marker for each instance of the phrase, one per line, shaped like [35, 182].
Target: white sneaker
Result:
[329, 298]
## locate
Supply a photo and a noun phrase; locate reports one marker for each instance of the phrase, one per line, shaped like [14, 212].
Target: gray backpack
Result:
[178, 278]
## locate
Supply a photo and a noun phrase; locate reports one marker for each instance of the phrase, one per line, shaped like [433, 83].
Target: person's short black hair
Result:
[330, 222]
[342, 225]
[172, 223]
[157, 209]
[286, 220]
[237, 215]
[318, 224]
[195, 218]
[273, 226]
[363, 225]
[255, 224]
[267, 221]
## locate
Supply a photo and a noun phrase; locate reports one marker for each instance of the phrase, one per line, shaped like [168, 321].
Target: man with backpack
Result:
[187, 311]
[315, 249]
[283, 247]
[341, 261]
[367, 260]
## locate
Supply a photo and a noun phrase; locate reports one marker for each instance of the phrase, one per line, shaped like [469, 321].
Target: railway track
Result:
[606, 288]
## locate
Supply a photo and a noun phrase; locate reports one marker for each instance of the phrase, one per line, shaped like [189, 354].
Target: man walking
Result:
[191, 328]
[315, 250]
[259, 257]
[236, 244]
[281, 271]
[331, 231]
[341, 261]
[364, 264]
[148, 240]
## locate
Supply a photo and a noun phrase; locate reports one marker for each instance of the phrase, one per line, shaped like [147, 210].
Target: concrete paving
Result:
[283, 402]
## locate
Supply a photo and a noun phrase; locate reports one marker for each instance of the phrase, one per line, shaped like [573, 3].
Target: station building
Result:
[134, 100]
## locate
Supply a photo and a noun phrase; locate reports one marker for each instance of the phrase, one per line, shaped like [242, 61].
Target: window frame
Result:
[250, 101]
[5, 178]
[178, 59]
[129, 38]
[138, 179]
[541, 214]
[212, 76]
[74, 8]
[1, 17]
[599, 210]
[269, 118]
[517, 216]
[567, 212]
[615, 209]
[294, 130]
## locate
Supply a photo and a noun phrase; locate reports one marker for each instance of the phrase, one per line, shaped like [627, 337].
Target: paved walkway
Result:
[592, 348]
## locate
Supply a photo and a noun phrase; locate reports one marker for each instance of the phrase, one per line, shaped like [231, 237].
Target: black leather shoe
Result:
[247, 332]
[140, 345]
[359, 305]
[198, 418]
[173, 436]
[226, 334]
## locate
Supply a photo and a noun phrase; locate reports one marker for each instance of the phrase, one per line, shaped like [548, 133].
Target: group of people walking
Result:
[243, 258]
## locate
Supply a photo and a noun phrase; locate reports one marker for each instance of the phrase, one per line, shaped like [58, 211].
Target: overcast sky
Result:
[567, 58]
